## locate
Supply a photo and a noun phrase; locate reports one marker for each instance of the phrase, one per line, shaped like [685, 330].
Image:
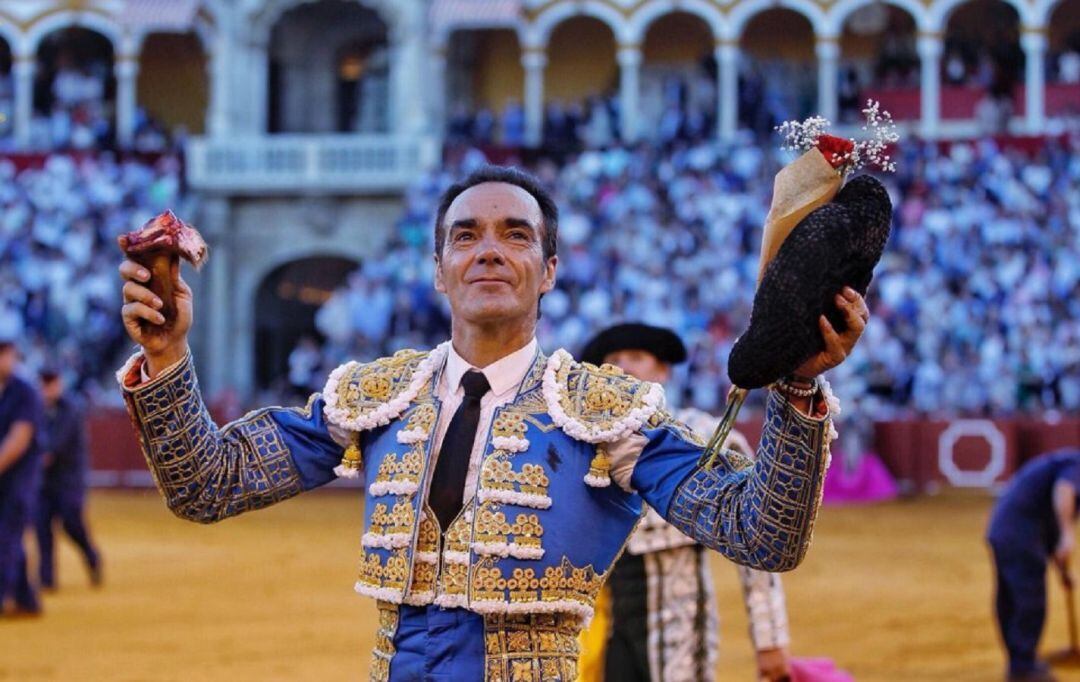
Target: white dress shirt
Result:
[504, 376]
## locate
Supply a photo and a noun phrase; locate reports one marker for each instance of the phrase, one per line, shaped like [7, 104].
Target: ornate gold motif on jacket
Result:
[496, 535]
[499, 482]
[384, 649]
[399, 475]
[392, 575]
[531, 647]
[564, 584]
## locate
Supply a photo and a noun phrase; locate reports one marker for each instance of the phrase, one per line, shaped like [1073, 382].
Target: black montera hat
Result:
[663, 343]
[837, 245]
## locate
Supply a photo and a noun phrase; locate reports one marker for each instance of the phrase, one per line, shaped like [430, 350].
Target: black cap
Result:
[663, 343]
[6, 340]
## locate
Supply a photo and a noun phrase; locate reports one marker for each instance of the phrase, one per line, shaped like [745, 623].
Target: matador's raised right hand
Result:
[144, 323]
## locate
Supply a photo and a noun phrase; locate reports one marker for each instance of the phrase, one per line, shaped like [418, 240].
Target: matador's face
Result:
[492, 266]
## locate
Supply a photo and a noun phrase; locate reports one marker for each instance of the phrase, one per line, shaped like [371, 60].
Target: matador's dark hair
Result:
[510, 176]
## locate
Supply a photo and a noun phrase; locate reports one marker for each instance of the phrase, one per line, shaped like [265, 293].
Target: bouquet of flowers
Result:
[820, 236]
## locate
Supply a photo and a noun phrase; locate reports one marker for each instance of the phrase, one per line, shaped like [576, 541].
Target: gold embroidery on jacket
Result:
[530, 647]
[384, 649]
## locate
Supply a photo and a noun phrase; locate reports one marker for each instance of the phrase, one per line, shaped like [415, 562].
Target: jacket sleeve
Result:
[207, 473]
[758, 514]
[766, 609]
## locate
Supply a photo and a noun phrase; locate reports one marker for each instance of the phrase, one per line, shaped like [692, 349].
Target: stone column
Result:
[930, 48]
[259, 84]
[437, 94]
[828, 55]
[534, 61]
[727, 89]
[1033, 41]
[127, 74]
[22, 70]
[413, 109]
[219, 294]
[218, 117]
[629, 57]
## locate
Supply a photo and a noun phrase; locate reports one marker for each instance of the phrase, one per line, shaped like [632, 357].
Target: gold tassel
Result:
[599, 475]
[351, 459]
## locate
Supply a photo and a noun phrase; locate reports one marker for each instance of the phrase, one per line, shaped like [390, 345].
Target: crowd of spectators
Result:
[59, 291]
[672, 110]
[74, 112]
[976, 303]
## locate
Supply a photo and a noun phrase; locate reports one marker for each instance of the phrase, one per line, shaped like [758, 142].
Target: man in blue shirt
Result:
[1031, 524]
[63, 490]
[20, 429]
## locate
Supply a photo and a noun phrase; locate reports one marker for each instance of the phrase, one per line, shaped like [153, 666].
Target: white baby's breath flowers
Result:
[879, 124]
[802, 136]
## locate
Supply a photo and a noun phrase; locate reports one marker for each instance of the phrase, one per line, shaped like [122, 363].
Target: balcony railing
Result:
[272, 164]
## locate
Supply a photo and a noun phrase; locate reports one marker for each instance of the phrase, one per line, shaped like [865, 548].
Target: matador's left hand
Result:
[838, 346]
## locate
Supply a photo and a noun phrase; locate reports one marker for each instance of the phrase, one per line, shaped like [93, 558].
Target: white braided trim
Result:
[412, 436]
[342, 471]
[451, 601]
[515, 498]
[382, 414]
[453, 557]
[553, 393]
[504, 549]
[419, 598]
[510, 443]
[426, 557]
[598, 481]
[389, 594]
[392, 488]
[387, 541]
[834, 408]
[569, 606]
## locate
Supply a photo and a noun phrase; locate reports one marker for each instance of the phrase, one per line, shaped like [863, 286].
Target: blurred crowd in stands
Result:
[976, 303]
[59, 290]
[75, 110]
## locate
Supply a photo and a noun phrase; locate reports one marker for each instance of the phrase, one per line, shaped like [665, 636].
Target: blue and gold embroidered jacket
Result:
[545, 524]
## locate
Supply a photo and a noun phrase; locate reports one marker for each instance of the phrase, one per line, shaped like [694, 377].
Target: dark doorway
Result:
[286, 304]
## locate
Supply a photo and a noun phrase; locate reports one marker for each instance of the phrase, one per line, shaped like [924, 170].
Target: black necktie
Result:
[448, 483]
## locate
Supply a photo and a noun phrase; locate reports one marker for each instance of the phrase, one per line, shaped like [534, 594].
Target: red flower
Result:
[835, 149]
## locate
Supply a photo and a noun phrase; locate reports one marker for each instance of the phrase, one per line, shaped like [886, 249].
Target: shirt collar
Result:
[504, 374]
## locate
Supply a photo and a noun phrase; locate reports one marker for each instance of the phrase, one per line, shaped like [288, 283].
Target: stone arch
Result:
[743, 13]
[839, 13]
[537, 34]
[88, 19]
[10, 35]
[649, 13]
[393, 14]
[181, 59]
[942, 11]
[1043, 10]
[309, 49]
[201, 28]
[283, 317]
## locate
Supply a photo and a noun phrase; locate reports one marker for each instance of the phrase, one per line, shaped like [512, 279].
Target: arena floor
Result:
[893, 592]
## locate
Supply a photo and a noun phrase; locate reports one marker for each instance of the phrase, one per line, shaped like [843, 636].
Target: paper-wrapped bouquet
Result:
[820, 235]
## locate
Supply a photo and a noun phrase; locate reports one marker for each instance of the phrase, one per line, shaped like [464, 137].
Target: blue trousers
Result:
[14, 581]
[434, 644]
[1020, 569]
[67, 505]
